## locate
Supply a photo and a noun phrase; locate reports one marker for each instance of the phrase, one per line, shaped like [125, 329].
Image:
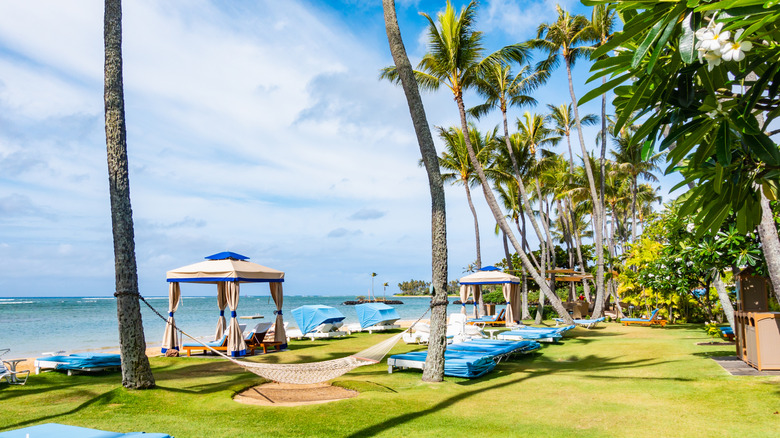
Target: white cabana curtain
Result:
[512, 307]
[514, 302]
[170, 340]
[464, 296]
[221, 303]
[276, 294]
[476, 292]
[235, 340]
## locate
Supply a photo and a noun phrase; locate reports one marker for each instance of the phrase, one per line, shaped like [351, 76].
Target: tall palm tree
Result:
[458, 168]
[434, 363]
[628, 157]
[565, 39]
[136, 372]
[455, 61]
[602, 25]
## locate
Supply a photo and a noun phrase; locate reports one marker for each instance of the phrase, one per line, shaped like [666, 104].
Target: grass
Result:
[609, 381]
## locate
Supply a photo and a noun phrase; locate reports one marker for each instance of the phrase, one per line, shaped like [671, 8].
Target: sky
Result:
[255, 127]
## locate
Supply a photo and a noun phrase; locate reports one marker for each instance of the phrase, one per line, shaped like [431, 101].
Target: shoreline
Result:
[151, 351]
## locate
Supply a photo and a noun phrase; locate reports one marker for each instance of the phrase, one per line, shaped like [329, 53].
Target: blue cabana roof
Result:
[371, 314]
[226, 255]
[310, 316]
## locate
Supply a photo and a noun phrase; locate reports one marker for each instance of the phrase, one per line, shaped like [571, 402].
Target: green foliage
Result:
[710, 116]
[494, 297]
[414, 287]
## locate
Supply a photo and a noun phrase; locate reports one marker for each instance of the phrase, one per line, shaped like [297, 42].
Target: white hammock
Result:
[315, 372]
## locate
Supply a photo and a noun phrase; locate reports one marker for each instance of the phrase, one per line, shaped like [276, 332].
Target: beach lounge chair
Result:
[374, 317]
[491, 320]
[727, 332]
[496, 348]
[255, 338]
[653, 320]
[10, 375]
[219, 345]
[65, 431]
[587, 323]
[317, 322]
[456, 363]
[79, 362]
[539, 334]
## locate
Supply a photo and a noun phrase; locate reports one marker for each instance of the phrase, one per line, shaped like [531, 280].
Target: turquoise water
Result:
[30, 326]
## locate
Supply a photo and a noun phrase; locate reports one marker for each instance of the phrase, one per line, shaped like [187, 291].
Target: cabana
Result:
[470, 285]
[227, 270]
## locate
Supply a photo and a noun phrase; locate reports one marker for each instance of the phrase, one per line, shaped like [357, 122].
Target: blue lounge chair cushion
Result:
[371, 314]
[494, 347]
[726, 330]
[309, 317]
[456, 363]
[84, 360]
[218, 343]
[652, 315]
[65, 431]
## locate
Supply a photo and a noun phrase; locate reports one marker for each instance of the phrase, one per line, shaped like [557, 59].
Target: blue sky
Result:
[255, 127]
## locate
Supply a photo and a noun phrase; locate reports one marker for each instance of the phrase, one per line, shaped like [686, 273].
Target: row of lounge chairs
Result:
[468, 359]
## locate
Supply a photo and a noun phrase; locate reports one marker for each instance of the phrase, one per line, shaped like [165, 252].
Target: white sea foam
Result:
[17, 302]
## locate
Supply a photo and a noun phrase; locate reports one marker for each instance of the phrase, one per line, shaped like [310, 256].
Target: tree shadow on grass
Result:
[104, 397]
[498, 379]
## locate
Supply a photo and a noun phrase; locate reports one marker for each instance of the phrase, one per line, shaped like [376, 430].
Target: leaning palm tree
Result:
[434, 363]
[136, 372]
[455, 61]
[458, 168]
[565, 39]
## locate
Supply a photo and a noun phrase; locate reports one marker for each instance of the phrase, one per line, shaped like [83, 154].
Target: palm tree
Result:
[628, 157]
[434, 363]
[454, 60]
[602, 24]
[455, 159]
[136, 373]
[564, 39]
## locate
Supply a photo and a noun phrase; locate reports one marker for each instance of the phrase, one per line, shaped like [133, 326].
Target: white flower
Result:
[689, 263]
[736, 51]
[690, 228]
[713, 38]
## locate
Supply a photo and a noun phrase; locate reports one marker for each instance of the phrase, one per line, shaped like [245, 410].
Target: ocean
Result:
[31, 326]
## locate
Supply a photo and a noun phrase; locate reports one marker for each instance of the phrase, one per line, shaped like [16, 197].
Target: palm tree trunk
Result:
[603, 155]
[476, 223]
[434, 364]
[498, 215]
[770, 245]
[136, 372]
[725, 301]
[598, 309]
[526, 204]
[578, 248]
[633, 209]
[524, 304]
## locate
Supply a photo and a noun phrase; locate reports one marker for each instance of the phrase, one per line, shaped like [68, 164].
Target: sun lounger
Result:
[727, 332]
[65, 431]
[456, 363]
[255, 339]
[79, 362]
[493, 320]
[374, 317]
[9, 373]
[539, 334]
[587, 323]
[497, 348]
[219, 345]
[653, 320]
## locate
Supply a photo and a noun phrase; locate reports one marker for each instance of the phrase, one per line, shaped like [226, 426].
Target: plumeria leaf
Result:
[688, 40]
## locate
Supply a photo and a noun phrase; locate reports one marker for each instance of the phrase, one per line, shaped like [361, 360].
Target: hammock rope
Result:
[309, 372]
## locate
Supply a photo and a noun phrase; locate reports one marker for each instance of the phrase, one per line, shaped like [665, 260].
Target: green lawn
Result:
[609, 381]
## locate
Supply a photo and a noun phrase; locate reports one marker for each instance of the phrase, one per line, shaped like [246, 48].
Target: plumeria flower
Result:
[713, 58]
[714, 38]
[736, 51]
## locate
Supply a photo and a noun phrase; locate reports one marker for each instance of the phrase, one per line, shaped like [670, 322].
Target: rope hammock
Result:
[310, 372]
